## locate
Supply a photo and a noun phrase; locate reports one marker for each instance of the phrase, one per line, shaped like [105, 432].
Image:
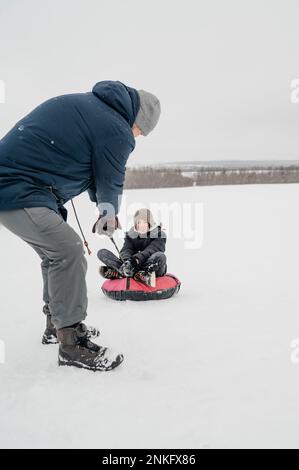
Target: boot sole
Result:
[80, 365]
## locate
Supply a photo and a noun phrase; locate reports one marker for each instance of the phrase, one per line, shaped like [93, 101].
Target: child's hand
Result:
[127, 268]
[135, 260]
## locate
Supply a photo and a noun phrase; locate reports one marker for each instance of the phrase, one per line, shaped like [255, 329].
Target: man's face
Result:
[142, 226]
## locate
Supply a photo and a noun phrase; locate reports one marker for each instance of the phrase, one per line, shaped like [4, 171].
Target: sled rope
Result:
[113, 241]
[84, 239]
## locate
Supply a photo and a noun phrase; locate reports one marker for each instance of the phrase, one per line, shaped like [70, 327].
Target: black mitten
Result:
[127, 268]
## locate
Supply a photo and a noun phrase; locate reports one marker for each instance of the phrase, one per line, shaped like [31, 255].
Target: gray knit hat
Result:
[149, 112]
[146, 215]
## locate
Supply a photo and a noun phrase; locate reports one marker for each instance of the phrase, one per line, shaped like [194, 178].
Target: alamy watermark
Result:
[182, 220]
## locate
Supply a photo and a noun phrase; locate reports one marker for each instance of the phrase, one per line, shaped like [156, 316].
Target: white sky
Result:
[221, 69]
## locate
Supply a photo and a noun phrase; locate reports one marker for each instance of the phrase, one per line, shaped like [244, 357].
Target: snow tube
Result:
[129, 289]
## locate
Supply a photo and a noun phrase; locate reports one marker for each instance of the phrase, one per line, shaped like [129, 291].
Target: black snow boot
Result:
[50, 334]
[146, 277]
[109, 273]
[75, 349]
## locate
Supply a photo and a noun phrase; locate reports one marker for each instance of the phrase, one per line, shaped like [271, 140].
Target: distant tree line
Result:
[164, 177]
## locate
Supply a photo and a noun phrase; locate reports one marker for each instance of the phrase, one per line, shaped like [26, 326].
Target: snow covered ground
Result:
[209, 368]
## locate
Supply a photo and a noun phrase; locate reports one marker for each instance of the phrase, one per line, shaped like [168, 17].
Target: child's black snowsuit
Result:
[148, 248]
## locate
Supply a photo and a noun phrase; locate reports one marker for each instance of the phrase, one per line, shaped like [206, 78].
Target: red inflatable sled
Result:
[129, 289]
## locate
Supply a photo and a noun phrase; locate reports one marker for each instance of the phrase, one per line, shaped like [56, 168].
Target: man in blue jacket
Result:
[67, 145]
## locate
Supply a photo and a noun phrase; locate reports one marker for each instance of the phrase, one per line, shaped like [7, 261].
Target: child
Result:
[142, 253]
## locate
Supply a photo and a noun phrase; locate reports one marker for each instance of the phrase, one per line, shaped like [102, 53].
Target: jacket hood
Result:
[123, 99]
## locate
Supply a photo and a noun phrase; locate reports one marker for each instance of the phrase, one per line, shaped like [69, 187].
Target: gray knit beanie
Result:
[149, 112]
[146, 215]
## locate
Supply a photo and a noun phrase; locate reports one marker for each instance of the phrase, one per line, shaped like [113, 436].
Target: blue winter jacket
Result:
[67, 145]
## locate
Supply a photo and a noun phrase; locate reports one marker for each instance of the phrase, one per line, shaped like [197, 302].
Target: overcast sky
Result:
[221, 69]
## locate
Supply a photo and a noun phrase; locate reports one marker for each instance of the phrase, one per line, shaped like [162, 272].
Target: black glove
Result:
[127, 269]
[136, 260]
[106, 225]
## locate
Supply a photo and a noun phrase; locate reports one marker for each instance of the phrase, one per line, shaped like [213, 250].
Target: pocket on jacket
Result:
[44, 217]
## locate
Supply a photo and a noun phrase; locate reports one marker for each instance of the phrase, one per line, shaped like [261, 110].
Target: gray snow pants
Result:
[63, 263]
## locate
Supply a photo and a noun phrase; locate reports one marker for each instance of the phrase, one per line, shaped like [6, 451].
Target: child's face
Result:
[142, 226]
